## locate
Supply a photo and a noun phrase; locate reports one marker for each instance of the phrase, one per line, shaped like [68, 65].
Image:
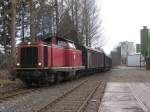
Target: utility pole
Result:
[13, 27]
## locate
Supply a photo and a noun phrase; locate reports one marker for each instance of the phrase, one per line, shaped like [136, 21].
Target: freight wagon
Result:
[55, 59]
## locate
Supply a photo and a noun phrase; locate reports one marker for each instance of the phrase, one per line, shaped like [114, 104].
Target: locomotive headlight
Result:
[29, 43]
[39, 63]
[18, 64]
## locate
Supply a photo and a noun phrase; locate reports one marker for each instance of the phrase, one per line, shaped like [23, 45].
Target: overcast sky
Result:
[123, 19]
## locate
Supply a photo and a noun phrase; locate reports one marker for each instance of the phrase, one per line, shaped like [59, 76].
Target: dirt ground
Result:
[6, 84]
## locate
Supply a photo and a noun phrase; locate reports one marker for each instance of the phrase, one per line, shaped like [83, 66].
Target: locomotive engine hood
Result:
[30, 55]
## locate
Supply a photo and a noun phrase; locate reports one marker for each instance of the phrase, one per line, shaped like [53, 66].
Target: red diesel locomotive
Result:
[56, 59]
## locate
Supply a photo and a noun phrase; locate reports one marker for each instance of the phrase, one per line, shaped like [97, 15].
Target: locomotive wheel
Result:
[42, 81]
[59, 77]
[28, 84]
[72, 75]
[77, 75]
[50, 79]
[66, 76]
[39, 83]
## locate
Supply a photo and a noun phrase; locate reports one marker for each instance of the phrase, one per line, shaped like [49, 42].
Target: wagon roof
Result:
[92, 49]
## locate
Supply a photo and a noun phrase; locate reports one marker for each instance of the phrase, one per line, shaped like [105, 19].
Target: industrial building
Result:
[136, 60]
[127, 48]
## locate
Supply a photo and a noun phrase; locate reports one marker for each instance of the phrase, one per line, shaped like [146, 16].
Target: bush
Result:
[7, 62]
[7, 66]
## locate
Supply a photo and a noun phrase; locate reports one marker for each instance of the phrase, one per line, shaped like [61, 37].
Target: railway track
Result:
[94, 103]
[11, 94]
[15, 93]
[74, 100]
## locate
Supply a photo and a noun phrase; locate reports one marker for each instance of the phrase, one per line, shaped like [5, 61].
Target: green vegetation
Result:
[4, 82]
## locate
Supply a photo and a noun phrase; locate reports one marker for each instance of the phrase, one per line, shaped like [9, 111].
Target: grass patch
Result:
[4, 82]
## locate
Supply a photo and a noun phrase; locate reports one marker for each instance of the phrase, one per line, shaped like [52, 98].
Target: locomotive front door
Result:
[45, 56]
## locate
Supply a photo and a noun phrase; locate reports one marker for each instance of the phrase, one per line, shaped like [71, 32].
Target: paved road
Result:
[128, 90]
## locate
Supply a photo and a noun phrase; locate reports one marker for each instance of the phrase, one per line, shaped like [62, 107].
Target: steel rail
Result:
[15, 93]
[43, 109]
[85, 103]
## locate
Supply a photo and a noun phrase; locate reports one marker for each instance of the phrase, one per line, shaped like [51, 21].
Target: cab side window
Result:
[61, 44]
[71, 45]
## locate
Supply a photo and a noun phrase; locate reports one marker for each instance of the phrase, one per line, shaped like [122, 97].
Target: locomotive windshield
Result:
[29, 57]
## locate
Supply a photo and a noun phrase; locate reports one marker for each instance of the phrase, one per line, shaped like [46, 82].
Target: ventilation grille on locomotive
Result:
[29, 57]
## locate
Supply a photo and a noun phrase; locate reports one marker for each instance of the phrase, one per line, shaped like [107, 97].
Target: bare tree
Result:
[32, 19]
[90, 25]
[13, 27]
[75, 18]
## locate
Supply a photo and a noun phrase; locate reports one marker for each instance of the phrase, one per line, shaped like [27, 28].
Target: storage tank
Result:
[138, 48]
[145, 41]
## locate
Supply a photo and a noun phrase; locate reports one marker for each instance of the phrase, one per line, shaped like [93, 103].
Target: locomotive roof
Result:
[92, 49]
[96, 50]
[60, 38]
